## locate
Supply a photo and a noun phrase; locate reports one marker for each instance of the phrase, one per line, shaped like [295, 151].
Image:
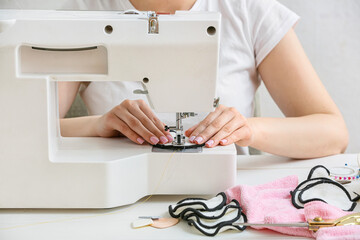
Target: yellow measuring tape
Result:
[101, 214]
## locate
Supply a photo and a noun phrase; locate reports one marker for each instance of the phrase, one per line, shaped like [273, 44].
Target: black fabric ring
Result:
[221, 225]
[237, 217]
[299, 189]
[353, 205]
[199, 212]
[182, 204]
[316, 167]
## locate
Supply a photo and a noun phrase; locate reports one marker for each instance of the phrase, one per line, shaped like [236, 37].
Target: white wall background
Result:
[330, 33]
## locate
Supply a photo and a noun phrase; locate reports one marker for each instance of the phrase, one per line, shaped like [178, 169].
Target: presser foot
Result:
[188, 148]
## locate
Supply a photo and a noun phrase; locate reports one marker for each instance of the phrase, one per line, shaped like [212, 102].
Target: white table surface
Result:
[106, 224]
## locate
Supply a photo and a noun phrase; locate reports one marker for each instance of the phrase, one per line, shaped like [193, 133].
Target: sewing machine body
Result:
[41, 169]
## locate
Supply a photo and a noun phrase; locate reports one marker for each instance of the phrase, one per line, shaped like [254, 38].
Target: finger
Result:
[203, 125]
[190, 130]
[236, 123]
[156, 121]
[241, 137]
[224, 122]
[148, 123]
[135, 124]
[124, 129]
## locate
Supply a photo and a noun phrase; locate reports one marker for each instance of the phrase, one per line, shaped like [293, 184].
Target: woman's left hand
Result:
[224, 126]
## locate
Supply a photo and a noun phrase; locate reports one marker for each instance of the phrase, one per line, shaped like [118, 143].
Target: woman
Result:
[257, 43]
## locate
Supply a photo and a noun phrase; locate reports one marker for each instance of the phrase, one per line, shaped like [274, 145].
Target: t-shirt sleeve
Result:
[268, 21]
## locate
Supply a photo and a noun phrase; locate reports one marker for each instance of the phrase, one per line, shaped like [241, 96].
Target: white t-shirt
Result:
[250, 29]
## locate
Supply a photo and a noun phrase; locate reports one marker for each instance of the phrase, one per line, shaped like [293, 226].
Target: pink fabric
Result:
[326, 211]
[337, 233]
[271, 203]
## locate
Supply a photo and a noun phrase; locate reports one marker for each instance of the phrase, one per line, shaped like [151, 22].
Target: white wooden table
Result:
[106, 224]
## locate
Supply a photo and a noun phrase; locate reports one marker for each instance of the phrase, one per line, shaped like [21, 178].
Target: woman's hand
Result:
[223, 126]
[135, 120]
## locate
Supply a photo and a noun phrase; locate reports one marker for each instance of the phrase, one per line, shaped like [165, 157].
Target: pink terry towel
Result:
[326, 211]
[339, 233]
[271, 203]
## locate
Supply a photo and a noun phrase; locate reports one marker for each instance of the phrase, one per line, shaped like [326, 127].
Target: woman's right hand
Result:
[135, 120]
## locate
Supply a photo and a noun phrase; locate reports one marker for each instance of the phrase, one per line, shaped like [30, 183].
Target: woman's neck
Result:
[164, 6]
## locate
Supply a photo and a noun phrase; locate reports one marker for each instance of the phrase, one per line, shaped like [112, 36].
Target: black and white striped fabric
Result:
[211, 216]
[320, 187]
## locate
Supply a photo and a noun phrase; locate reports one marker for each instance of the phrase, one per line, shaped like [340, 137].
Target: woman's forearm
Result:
[315, 135]
[79, 127]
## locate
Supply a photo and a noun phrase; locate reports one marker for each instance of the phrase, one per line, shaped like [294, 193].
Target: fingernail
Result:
[209, 143]
[224, 141]
[140, 140]
[191, 139]
[199, 140]
[163, 139]
[154, 140]
[170, 138]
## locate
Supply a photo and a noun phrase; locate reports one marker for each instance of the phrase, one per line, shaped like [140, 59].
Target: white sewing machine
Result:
[41, 169]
